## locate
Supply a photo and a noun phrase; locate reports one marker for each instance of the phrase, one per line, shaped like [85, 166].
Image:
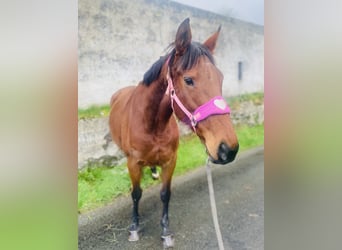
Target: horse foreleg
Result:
[135, 175]
[165, 195]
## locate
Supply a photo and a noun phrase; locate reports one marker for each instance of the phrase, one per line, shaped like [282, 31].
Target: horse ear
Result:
[183, 37]
[211, 41]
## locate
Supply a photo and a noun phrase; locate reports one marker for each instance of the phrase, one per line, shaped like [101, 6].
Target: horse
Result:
[184, 84]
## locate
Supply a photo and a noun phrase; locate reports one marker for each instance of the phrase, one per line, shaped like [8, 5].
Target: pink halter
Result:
[215, 106]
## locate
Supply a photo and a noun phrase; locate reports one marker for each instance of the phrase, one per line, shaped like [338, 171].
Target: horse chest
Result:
[155, 150]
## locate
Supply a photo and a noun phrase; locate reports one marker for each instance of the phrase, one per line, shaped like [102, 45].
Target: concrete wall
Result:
[119, 40]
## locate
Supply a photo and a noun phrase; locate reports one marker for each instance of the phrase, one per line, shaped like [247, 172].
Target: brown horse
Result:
[143, 125]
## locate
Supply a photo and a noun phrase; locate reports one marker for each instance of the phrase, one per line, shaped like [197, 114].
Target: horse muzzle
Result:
[225, 154]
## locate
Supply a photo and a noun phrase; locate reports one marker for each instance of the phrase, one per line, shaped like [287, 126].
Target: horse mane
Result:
[153, 73]
[186, 61]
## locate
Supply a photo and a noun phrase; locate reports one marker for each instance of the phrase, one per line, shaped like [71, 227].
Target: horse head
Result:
[196, 86]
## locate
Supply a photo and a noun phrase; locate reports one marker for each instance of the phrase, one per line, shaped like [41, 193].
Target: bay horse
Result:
[184, 82]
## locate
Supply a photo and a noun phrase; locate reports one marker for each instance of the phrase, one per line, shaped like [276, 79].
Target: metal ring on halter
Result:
[193, 121]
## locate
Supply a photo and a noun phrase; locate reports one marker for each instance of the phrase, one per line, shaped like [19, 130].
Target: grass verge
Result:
[94, 111]
[99, 186]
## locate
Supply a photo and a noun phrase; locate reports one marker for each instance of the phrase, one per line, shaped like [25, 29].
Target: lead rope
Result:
[213, 206]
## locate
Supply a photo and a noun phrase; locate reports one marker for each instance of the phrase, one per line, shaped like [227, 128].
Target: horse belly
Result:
[118, 120]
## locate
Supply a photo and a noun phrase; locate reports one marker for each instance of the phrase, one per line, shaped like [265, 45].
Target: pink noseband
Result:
[215, 106]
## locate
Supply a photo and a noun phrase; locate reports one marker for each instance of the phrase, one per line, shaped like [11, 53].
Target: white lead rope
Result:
[213, 207]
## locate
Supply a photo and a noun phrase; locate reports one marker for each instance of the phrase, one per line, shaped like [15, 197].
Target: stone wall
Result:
[119, 40]
[95, 146]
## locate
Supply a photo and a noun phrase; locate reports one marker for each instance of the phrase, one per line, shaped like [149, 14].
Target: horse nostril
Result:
[225, 154]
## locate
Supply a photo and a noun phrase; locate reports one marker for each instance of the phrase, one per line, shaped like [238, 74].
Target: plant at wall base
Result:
[256, 98]
[94, 111]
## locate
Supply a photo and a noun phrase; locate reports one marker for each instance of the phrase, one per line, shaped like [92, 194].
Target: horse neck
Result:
[157, 110]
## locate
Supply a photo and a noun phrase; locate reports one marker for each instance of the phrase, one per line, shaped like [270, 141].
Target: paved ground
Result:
[239, 191]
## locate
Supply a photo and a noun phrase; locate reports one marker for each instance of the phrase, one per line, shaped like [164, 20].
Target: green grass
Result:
[98, 186]
[250, 137]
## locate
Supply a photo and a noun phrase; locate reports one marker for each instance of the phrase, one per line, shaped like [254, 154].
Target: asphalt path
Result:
[239, 193]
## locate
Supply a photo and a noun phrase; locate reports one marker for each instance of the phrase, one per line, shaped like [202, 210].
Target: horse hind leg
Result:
[135, 175]
[165, 195]
[154, 172]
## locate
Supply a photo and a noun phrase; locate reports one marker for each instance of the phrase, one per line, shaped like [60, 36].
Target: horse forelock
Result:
[192, 55]
[188, 60]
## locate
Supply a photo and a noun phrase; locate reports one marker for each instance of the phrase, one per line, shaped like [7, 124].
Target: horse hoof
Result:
[168, 241]
[133, 235]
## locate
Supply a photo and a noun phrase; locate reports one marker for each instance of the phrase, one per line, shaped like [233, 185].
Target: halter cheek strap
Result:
[215, 106]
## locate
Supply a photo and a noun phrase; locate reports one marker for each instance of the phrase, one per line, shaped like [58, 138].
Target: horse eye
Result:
[189, 81]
